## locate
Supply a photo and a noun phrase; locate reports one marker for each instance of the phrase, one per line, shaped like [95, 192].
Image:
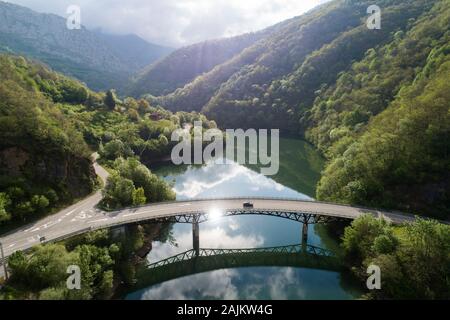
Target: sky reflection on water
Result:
[272, 283]
[233, 180]
[244, 283]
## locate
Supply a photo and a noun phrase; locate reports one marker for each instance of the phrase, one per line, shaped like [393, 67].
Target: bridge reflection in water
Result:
[306, 219]
[203, 260]
[200, 260]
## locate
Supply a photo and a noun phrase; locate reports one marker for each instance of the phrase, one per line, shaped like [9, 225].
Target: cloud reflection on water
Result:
[214, 180]
[266, 283]
[216, 284]
[232, 180]
[239, 283]
[221, 236]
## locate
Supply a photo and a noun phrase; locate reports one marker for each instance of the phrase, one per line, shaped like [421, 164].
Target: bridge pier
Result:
[118, 232]
[196, 237]
[305, 234]
[4, 262]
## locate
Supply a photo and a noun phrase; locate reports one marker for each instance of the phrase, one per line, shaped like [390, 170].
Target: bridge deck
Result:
[84, 217]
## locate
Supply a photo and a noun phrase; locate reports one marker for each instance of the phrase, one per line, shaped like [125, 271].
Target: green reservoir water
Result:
[271, 277]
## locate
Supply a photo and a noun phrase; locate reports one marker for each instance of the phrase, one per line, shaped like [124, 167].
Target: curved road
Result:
[84, 216]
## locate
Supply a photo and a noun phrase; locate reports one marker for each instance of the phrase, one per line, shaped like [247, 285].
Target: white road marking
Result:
[83, 216]
[132, 214]
[138, 213]
[100, 220]
[11, 245]
[44, 226]
[69, 213]
[30, 240]
[51, 224]
[28, 230]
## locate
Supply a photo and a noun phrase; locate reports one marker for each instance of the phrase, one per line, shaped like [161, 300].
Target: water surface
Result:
[300, 169]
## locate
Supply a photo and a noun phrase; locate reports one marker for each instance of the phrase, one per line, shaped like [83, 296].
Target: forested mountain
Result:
[327, 77]
[102, 61]
[183, 65]
[49, 126]
[286, 69]
[44, 161]
[385, 123]
[134, 51]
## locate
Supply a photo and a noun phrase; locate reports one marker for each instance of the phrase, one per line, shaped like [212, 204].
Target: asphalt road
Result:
[84, 216]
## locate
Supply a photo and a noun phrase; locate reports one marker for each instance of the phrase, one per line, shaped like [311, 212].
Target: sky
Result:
[177, 22]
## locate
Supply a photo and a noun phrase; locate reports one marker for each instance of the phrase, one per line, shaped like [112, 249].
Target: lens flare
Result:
[215, 213]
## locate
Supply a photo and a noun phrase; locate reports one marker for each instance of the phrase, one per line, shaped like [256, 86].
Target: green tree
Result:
[384, 244]
[163, 140]
[110, 99]
[118, 191]
[47, 266]
[425, 259]
[131, 175]
[143, 106]
[106, 284]
[359, 237]
[93, 262]
[139, 197]
[156, 189]
[24, 209]
[18, 264]
[53, 293]
[40, 202]
[414, 258]
[5, 201]
[115, 149]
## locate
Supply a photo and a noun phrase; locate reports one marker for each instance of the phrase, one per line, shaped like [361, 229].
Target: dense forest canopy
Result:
[51, 124]
[404, 254]
[44, 158]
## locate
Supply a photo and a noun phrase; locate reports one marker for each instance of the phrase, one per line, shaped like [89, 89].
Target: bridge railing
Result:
[162, 217]
[227, 212]
[247, 198]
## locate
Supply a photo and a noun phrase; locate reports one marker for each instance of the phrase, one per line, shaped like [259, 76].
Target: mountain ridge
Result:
[146, 82]
[83, 54]
[327, 78]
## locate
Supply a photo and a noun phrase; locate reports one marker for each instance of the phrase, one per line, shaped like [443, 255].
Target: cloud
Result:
[177, 22]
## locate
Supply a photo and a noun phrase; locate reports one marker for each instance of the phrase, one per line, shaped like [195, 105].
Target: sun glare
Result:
[215, 213]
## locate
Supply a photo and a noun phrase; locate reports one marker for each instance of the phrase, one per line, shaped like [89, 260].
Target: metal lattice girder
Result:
[302, 217]
[201, 217]
[291, 249]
